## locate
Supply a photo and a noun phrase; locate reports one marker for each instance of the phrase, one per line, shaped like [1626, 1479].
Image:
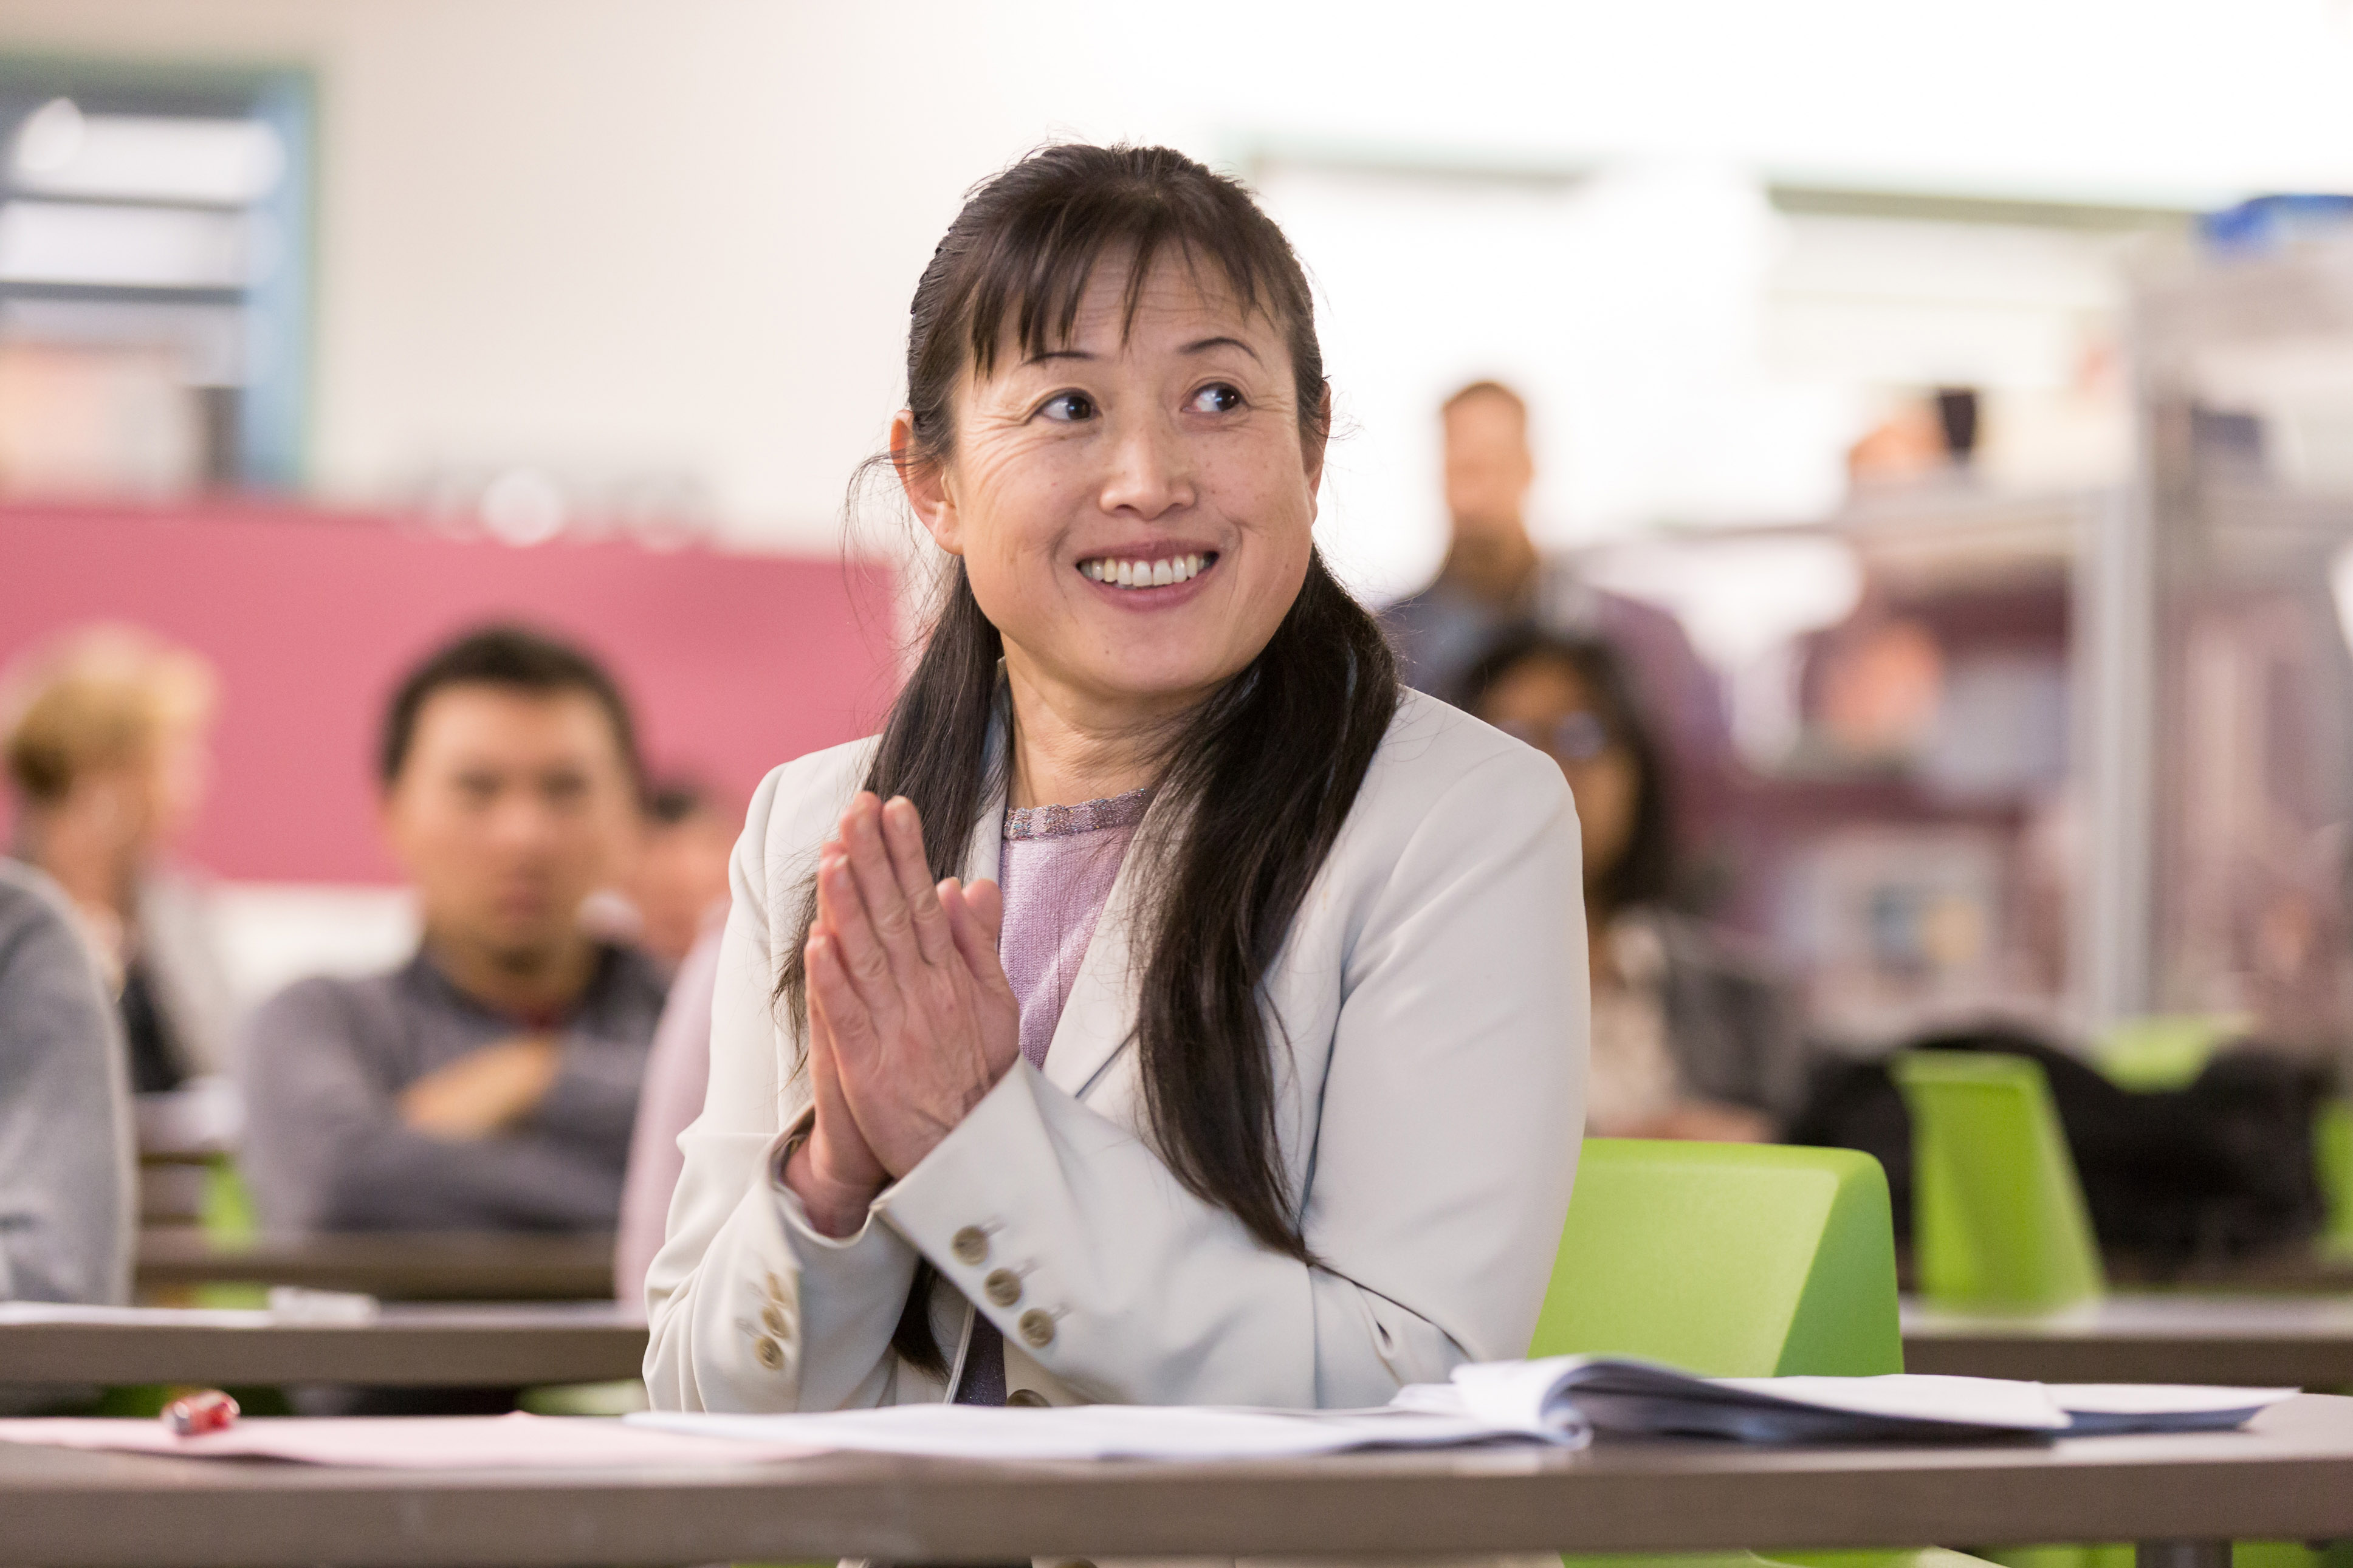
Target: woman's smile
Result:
[1148, 579]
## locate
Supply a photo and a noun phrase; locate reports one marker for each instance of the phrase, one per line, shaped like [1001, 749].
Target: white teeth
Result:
[1144, 573]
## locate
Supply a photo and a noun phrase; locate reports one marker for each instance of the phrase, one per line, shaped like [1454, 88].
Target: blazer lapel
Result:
[1098, 1020]
[980, 855]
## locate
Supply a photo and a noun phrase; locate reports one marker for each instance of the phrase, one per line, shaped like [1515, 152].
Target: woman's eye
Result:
[1217, 398]
[1069, 407]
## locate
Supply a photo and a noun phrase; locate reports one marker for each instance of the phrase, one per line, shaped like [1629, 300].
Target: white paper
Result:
[1991, 1402]
[1561, 1402]
[1091, 1431]
[2159, 1398]
[2097, 1407]
[1629, 1397]
[516, 1441]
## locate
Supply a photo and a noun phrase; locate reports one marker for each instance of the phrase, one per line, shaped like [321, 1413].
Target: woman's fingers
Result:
[849, 1021]
[902, 840]
[869, 862]
[985, 899]
[843, 1153]
[976, 916]
[859, 954]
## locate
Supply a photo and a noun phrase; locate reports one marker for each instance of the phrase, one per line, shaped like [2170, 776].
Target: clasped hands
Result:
[911, 1018]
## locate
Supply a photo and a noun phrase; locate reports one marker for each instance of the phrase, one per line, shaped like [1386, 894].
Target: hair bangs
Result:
[1038, 272]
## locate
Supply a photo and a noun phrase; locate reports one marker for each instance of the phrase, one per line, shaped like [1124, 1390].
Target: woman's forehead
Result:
[1181, 298]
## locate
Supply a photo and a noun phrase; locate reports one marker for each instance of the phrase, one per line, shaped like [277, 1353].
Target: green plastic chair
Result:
[1998, 1222]
[1998, 1215]
[2164, 1050]
[2332, 1157]
[1658, 1230]
[1731, 1260]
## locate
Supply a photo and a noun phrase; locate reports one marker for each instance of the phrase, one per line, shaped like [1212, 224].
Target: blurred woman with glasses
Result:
[1691, 1038]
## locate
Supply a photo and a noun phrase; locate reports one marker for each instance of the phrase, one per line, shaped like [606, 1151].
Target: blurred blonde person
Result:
[108, 749]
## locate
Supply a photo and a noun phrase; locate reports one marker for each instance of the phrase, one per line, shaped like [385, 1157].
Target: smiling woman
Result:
[1164, 1007]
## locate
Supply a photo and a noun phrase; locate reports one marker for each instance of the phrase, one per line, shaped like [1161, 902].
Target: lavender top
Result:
[1056, 870]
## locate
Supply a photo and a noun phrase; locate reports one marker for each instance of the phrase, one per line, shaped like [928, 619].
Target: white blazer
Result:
[1430, 1009]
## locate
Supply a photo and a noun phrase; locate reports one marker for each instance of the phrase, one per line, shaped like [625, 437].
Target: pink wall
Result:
[735, 663]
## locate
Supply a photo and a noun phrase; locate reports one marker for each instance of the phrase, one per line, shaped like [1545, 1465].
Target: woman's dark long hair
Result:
[1258, 780]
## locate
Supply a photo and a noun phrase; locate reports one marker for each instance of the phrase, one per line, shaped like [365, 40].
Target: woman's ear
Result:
[1313, 445]
[925, 485]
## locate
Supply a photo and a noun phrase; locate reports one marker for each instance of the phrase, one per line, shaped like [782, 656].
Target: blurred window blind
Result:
[154, 278]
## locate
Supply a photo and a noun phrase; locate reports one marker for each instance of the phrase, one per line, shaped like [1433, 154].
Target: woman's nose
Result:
[1151, 469]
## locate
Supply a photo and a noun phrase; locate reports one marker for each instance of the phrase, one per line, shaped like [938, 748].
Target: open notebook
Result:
[1563, 1401]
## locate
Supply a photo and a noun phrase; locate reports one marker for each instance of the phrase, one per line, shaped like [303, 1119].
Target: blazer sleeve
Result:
[749, 1307]
[1441, 1164]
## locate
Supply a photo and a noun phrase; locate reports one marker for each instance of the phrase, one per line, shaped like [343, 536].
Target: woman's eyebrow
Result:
[1205, 345]
[1042, 355]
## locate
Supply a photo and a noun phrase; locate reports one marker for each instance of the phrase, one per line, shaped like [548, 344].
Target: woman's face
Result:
[1546, 702]
[1134, 507]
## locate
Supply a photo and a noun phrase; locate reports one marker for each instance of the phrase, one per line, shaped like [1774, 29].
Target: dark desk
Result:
[2289, 1478]
[404, 1346]
[2261, 1340]
[394, 1265]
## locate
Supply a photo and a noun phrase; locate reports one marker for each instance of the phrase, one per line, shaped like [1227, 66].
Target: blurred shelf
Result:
[402, 1346]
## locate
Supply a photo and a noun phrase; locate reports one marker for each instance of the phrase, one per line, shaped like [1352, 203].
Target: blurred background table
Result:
[395, 1266]
[402, 1346]
[2264, 1340]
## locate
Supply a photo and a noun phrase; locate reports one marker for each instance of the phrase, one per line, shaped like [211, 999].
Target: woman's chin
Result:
[1176, 679]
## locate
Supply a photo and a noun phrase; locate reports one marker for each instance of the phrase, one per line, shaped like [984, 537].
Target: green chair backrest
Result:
[2332, 1157]
[2160, 1051]
[1998, 1215]
[1726, 1259]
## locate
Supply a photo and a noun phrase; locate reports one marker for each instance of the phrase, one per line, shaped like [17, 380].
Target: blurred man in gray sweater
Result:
[489, 1083]
[67, 1189]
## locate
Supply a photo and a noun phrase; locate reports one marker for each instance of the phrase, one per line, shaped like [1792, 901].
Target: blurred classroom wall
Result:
[606, 237]
[565, 251]
[309, 619]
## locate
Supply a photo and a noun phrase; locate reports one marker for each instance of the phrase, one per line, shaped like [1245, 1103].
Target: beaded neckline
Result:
[1087, 816]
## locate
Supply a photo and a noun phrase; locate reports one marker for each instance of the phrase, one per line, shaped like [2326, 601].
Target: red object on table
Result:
[211, 1411]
